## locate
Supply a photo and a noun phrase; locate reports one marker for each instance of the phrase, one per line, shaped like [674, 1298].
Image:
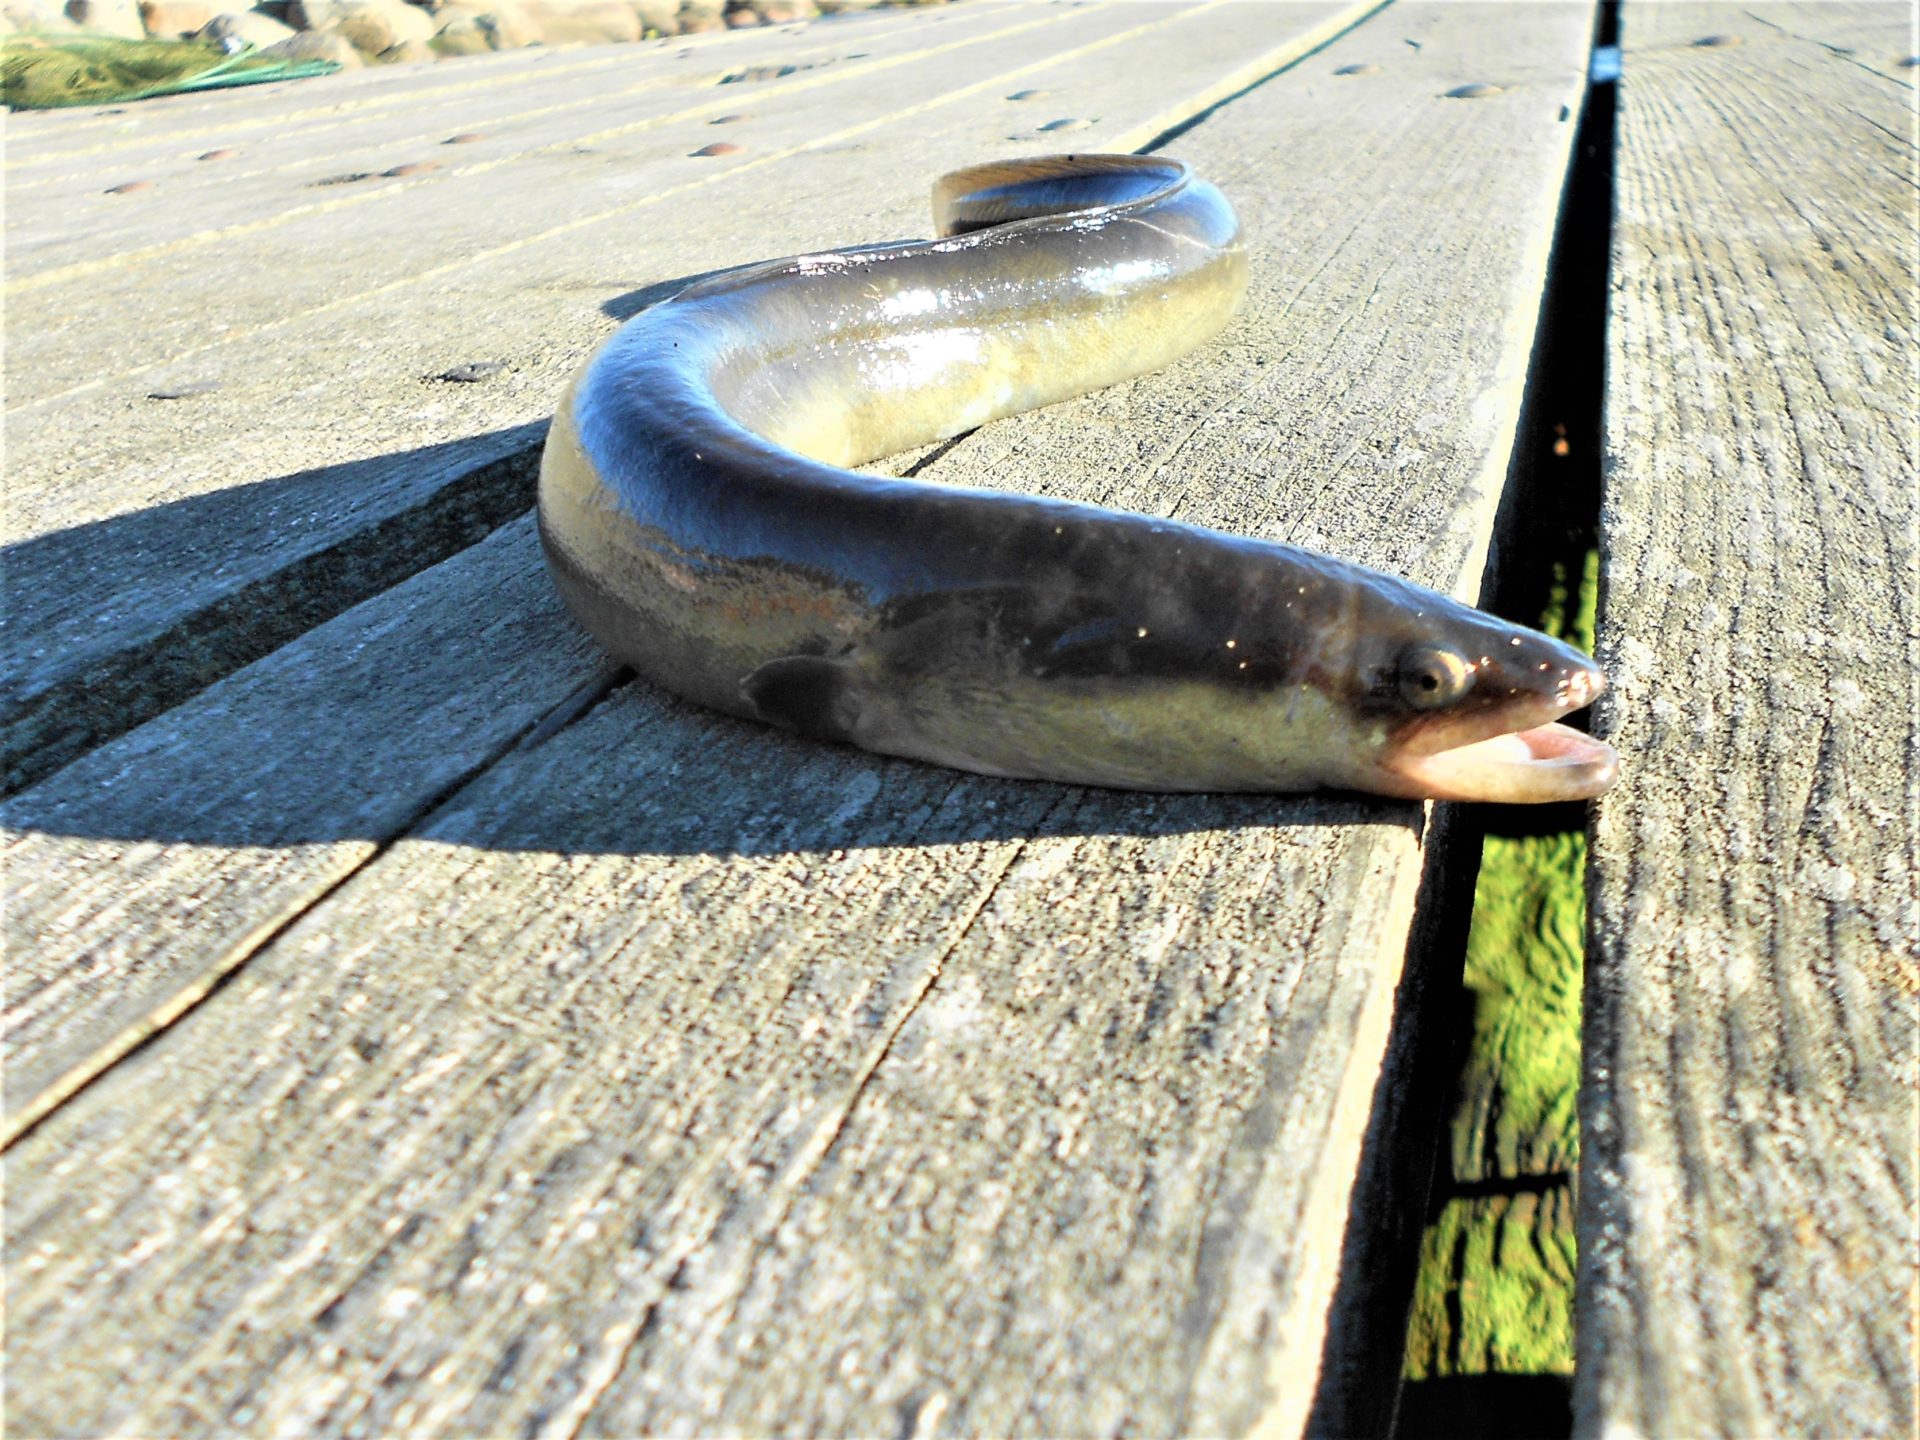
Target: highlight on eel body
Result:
[698, 517]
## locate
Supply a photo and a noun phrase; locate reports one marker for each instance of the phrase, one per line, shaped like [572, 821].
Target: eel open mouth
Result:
[1514, 751]
[1547, 763]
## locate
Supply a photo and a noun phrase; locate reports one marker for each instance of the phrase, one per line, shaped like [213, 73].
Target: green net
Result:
[45, 71]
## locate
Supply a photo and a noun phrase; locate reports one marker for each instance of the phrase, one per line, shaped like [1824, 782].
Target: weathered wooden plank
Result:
[214, 562]
[49, 149]
[1753, 1005]
[72, 232]
[62, 1036]
[622, 1095]
[143, 873]
[636, 151]
[67, 1030]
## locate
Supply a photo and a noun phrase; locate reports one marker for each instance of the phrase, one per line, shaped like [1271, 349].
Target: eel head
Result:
[1479, 719]
[1470, 707]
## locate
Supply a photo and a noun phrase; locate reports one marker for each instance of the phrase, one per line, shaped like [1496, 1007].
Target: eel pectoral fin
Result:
[811, 694]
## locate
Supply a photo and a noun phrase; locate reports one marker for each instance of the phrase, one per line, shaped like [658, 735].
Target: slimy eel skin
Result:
[698, 517]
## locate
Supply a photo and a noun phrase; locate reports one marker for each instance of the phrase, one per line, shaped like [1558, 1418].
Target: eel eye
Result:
[1430, 676]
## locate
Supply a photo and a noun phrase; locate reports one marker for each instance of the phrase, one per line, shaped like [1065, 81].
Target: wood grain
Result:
[144, 872]
[675, 1076]
[178, 781]
[234, 519]
[1749, 1176]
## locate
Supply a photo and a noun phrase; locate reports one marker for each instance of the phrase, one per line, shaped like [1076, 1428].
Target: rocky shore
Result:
[364, 32]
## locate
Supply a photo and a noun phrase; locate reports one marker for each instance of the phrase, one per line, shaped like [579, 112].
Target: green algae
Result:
[42, 72]
[1495, 1290]
[1494, 1297]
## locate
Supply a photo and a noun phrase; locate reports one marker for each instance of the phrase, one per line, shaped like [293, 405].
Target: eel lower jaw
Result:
[1524, 767]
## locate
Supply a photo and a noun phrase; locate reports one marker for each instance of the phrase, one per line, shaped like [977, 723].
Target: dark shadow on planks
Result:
[1470, 1407]
[51, 713]
[1361, 1359]
[642, 773]
[703, 783]
[169, 548]
[654, 776]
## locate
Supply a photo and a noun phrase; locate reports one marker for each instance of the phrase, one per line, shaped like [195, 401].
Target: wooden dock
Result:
[414, 1027]
[1752, 1101]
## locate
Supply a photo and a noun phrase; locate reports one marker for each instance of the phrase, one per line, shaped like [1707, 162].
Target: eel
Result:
[699, 518]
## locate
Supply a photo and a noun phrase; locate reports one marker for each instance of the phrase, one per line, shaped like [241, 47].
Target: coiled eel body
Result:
[698, 520]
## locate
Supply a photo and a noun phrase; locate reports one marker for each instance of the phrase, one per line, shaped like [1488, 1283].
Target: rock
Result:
[661, 17]
[783, 12]
[408, 52]
[586, 22]
[174, 19]
[474, 29]
[255, 27]
[108, 17]
[461, 35]
[318, 45]
[38, 16]
[371, 26]
[697, 16]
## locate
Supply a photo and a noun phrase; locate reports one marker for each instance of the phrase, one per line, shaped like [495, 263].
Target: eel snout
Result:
[1521, 753]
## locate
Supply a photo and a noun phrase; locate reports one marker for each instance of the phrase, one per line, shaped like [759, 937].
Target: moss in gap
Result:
[1518, 1090]
[1495, 1295]
[1495, 1292]
[1495, 1289]
[1575, 629]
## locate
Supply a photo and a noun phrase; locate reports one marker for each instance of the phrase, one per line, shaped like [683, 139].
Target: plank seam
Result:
[822, 1146]
[143, 1033]
[1313, 42]
[83, 269]
[119, 691]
